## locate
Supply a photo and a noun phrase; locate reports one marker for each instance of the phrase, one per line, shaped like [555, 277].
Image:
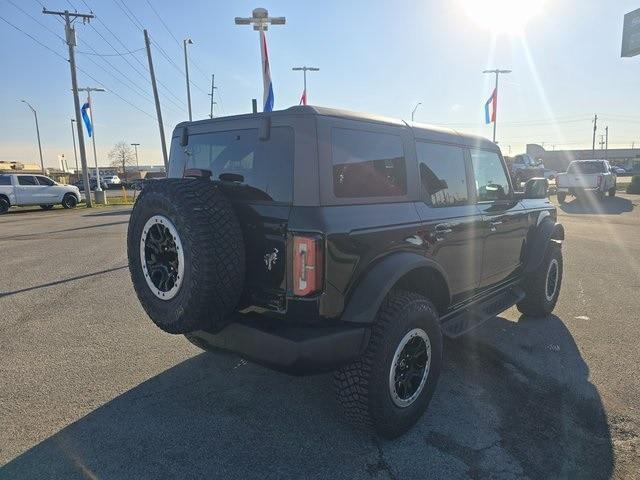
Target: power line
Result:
[130, 52]
[36, 20]
[34, 39]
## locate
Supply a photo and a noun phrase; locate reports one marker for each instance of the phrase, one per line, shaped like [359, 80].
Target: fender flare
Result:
[368, 295]
[539, 238]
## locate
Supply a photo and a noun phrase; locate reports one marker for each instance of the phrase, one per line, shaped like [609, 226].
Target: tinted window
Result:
[264, 166]
[5, 180]
[45, 181]
[490, 176]
[586, 167]
[367, 164]
[442, 174]
[26, 180]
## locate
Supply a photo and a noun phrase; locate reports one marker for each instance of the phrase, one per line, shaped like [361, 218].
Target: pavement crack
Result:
[381, 464]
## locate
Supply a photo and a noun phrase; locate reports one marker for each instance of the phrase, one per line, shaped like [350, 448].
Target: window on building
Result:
[443, 178]
[367, 164]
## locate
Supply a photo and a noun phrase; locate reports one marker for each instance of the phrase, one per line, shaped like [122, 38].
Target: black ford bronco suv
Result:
[312, 240]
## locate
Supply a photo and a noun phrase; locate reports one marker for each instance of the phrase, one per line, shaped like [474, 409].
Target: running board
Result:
[466, 319]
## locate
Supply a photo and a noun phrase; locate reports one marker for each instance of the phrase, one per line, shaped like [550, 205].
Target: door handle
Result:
[494, 224]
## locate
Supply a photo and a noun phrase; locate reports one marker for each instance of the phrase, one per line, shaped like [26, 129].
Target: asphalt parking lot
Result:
[89, 388]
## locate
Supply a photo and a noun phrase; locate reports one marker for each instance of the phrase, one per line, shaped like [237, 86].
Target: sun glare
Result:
[502, 16]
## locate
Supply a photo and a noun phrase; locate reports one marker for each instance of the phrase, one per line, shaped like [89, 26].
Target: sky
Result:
[374, 56]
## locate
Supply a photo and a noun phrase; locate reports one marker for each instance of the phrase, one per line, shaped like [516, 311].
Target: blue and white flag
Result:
[266, 75]
[86, 116]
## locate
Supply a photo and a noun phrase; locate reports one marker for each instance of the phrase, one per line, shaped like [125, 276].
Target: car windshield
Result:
[586, 167]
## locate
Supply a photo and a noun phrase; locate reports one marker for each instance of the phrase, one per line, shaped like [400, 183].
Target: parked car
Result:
[93, 184]
[618, 170]
[111, 181]
[136, 184]
[523, 167]
[24, 189]
[313, 240]
[586, 177]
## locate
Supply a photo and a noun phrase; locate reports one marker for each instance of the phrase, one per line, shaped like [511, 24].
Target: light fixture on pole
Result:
[75, 153]
[494, 99]
[100, 196]
[304, 70]
[413, 112]
[35, 114]
[185, 42]
[260, 20]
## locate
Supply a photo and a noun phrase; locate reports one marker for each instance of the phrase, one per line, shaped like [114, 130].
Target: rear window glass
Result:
[263, 166]
[587, 167]
[5, 180]
[367, 164]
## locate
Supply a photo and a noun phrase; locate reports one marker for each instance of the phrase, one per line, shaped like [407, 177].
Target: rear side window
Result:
[443, 178]
[367, 164]
[5, 180]
[264, 166]
[27, 180]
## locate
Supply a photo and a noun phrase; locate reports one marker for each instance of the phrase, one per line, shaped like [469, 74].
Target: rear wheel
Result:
[46, 207]
[4, 205]
[542, 287]
[69, 201]
[390, 387]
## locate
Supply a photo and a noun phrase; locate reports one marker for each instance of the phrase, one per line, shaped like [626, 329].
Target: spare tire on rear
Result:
[186, 254]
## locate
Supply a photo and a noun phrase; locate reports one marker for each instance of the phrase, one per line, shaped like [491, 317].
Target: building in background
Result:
[627, 158]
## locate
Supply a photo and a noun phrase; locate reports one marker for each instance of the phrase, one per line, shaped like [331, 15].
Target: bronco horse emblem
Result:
[271, 258]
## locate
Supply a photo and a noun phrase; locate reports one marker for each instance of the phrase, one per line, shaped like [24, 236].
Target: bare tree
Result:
[122, 155]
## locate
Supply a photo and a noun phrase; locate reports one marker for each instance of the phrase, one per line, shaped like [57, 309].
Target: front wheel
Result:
[69, 201]
[542, 287]
[391, 385]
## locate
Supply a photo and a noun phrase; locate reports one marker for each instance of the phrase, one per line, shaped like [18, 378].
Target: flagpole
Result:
[495, 113]
[100, 198]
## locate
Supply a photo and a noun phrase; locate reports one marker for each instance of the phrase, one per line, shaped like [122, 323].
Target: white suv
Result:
[22, 189]
[111, 180]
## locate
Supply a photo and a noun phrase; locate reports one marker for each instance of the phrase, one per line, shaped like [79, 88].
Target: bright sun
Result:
[502, 16]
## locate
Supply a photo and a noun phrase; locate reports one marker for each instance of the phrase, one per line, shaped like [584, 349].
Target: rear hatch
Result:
[257, 175]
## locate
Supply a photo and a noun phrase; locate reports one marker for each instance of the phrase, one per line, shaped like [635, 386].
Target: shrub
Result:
[634, 186]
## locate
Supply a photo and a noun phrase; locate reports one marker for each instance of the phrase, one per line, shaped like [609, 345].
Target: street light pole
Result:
[135, 146]
[304, 71]
[185, 42]
[99, 194]
[35, 114]
[413, 112]
[75, 154]
[497, 72]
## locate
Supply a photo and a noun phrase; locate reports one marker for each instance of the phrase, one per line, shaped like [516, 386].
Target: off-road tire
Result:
[537, 303]
[612, 191]
[69, 201]
[46, 207]
[213, 249]
[363, 387]
[4, 205]
[562, 197]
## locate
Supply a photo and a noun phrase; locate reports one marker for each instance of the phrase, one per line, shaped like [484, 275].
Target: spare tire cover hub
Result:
[162, 257]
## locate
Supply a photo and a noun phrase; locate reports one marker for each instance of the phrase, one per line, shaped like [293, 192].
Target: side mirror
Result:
[536, 188]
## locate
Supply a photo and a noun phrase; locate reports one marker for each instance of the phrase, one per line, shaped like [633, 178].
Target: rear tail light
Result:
[307, 265]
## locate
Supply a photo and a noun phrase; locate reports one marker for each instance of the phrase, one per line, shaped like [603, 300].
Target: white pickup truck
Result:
[586, 177]
[18, 189]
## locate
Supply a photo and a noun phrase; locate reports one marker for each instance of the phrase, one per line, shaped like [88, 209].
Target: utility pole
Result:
[413, 112]
[304, 70]
[606, 146]
[157, 99]
[135, 146]
[185, 42]
[75, 154]
[601, 142]
[495, 121]
[35, 114]
[213, 78]
[101, 197]
[593, 143]
[70, 36]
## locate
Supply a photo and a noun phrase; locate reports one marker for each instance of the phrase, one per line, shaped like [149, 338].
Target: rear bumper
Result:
[573, 190]
[293, 349]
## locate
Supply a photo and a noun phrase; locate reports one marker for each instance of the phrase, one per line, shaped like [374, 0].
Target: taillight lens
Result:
[307, 265]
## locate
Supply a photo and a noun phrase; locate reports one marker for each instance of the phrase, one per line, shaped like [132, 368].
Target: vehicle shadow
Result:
[607, 206]
[214, 416]
[111, 213]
